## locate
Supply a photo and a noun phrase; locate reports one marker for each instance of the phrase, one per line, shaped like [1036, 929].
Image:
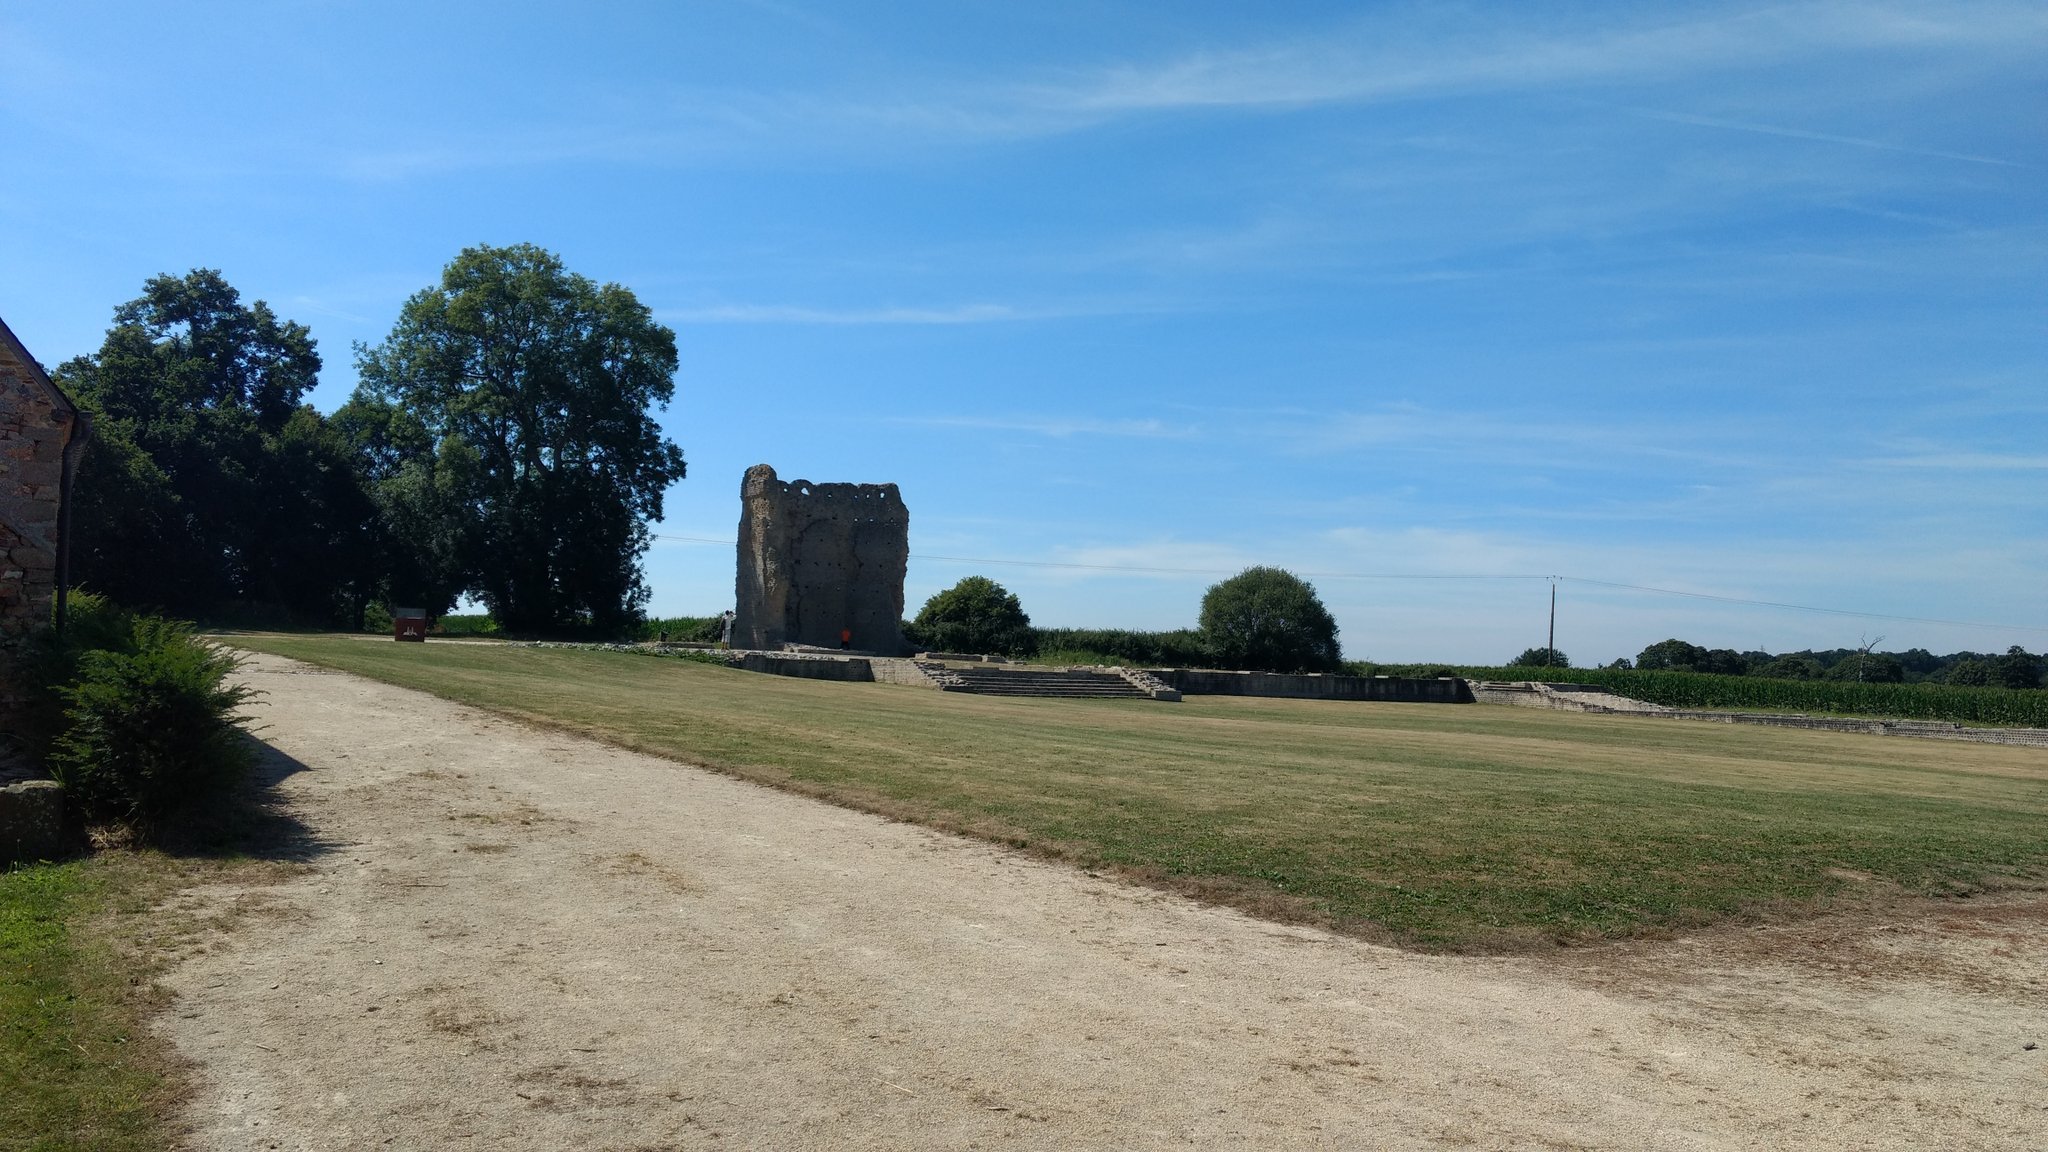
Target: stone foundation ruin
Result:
[816, 560]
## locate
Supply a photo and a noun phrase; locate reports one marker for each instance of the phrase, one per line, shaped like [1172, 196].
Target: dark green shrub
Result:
[473, 624]
[683, 629]
[1181, 648]
[1542, 658]
[50, 660]
[1270, 620]
[150, 732]
[377, 619]
[975, 615]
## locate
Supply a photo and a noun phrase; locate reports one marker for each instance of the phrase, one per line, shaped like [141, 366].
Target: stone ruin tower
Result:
[819, 558]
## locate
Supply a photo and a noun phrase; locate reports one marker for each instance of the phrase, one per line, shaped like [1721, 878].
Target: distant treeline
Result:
[2013, 668]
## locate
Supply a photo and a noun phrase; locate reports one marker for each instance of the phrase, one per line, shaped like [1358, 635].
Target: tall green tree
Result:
[1269, 619]
[975, 615]
[2018, 668]
[1673, 653]
[209, 479]
[418, 546]
[517, 401]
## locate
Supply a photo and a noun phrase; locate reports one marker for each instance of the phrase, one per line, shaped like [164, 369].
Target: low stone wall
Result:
[856, 669]
[31, 821]
[1313, 686]
[1557, 697]
[905, 672]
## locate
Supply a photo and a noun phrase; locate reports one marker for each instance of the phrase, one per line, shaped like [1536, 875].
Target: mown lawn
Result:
[76, 1068]
[1439, 826]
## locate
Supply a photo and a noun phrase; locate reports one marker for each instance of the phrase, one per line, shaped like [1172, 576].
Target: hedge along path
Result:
[516, 938]
[1458, 828]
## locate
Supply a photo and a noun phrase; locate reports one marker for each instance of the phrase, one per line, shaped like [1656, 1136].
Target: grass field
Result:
[77, 1067]
[1440, 826]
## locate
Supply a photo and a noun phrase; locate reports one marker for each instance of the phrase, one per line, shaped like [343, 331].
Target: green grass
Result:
[1440, 826]
[76, 1069]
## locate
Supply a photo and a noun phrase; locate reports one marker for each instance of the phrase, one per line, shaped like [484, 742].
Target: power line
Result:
[1159, 571]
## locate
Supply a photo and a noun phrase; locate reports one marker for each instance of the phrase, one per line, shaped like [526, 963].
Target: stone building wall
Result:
[36, 422]
[818, 558]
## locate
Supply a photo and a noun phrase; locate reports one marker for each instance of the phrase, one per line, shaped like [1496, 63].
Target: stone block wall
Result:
[855, 670]
[36, 422]
[31, 821]
[1314, 686]
[819, 559]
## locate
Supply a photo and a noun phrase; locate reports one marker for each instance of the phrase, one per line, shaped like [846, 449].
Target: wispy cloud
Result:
[1393, 56]
[1384, 59]
[1824, 137]
[1969, 462]
[1060, 427]
[792, 314]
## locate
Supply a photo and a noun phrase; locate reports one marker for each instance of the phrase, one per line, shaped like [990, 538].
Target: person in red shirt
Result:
[846, 638]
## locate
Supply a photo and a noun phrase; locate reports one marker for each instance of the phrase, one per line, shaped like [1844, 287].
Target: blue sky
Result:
[1741, 300]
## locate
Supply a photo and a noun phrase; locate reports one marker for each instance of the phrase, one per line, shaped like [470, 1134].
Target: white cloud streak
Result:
[1060, 427]
[1392, 57]
[791, 314]
[1824, 137]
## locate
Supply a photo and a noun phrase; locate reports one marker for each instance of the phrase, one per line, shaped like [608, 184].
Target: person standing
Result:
[846, 638]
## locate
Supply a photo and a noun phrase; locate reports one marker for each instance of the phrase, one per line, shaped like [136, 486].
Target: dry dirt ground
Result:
[512, 939]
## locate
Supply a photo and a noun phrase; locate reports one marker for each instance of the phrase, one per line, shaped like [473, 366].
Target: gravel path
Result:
[515, 939]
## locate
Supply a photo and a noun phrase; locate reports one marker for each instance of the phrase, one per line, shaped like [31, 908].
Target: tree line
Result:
[1262, 619]
[501, 444]
[2014, 668]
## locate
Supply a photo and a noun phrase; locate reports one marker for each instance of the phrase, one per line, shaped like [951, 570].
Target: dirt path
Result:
[520, 940]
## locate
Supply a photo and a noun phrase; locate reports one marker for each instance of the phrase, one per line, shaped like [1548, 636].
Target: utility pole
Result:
[1550, 653]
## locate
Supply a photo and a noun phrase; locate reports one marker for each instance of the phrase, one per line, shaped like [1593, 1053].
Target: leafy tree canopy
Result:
[209, 479]
[1869, 668]
[1673, 653]
[509, 421]
[2016, 669]
[975, 615]
[1269, 619]
[1542, 658]
[1793, 667]
[1970, 673]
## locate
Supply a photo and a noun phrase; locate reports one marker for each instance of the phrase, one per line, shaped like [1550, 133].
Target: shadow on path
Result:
[256, 823]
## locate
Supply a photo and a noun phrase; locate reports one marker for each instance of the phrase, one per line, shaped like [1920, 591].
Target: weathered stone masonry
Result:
[37, 423]
[818, 558]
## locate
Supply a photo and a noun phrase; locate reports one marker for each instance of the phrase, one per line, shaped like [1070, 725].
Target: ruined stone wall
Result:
[818, 558]
[35, 424]
[1314, 686]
